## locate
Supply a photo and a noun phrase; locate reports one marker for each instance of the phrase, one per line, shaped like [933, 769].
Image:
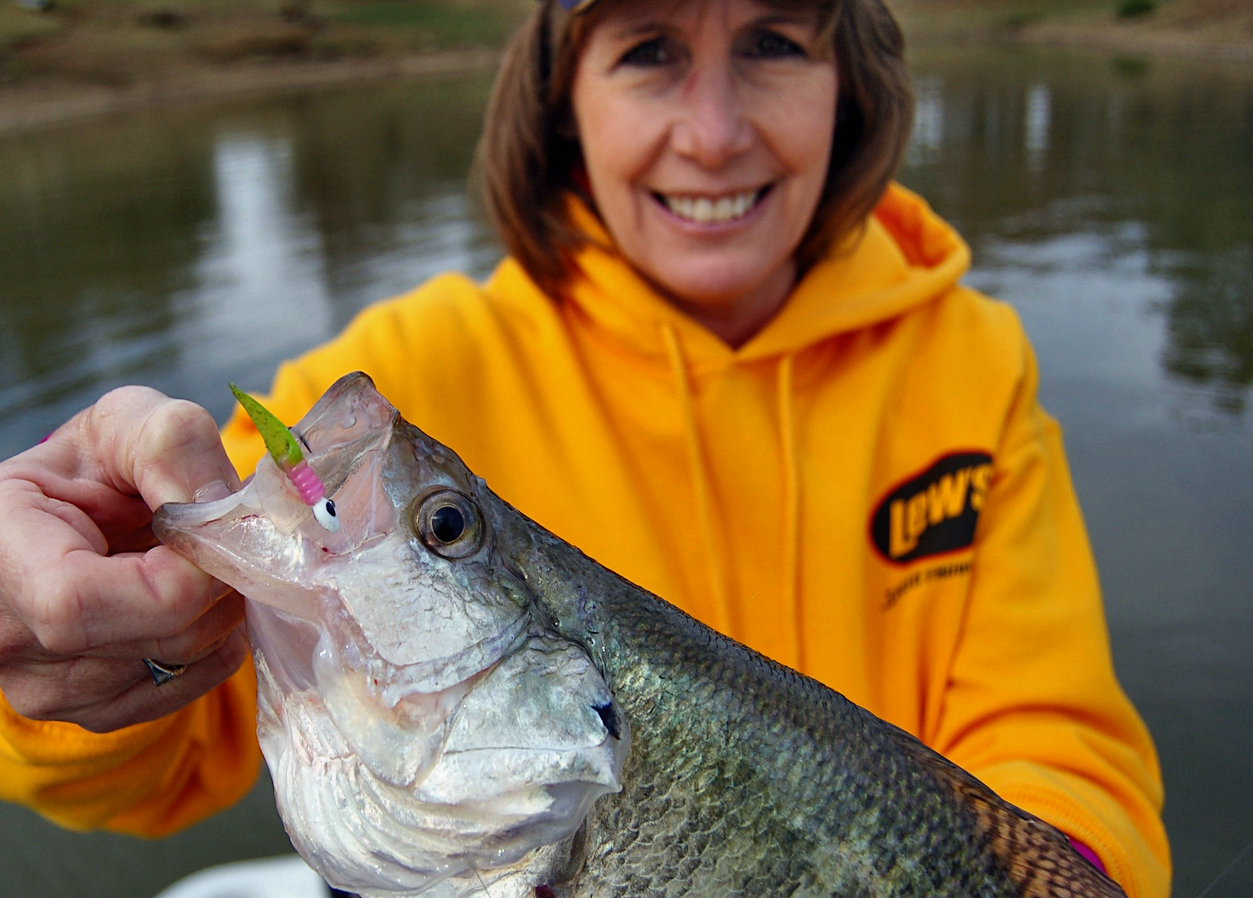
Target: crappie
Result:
[453, 701]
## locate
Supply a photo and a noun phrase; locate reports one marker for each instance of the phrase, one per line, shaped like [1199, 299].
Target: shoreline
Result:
[1197, 29]
[49, 103]
[50, 100]
[1162, 43]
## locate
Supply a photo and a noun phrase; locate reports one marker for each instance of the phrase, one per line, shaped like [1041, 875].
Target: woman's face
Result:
[706, 128]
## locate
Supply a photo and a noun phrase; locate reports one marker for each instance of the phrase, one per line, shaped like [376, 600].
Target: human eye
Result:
[655, 51]
[766, 43]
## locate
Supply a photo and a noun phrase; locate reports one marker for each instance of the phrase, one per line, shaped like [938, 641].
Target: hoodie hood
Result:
[906, 256]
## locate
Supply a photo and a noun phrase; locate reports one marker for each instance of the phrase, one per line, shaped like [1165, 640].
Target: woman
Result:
[726, 357]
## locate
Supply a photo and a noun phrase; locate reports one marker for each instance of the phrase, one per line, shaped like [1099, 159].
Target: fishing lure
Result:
[286, 453]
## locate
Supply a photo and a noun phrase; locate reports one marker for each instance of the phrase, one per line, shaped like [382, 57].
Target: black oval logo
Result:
[934, 511]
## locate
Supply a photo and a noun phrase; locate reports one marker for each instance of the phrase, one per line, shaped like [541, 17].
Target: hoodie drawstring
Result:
[791, 508]
[698, 465]
[699, 469]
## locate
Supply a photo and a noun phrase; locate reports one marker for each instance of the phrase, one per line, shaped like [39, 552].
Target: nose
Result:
[712, 127]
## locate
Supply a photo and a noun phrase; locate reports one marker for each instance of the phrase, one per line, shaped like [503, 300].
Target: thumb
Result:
[163, 449]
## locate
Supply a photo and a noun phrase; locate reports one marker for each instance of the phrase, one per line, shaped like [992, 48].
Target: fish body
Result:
[455, 702]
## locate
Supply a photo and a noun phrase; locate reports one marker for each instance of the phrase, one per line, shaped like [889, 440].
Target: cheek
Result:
[814, 142]
[804, 140]
[595, 134]
[611, 142]
[618, 133]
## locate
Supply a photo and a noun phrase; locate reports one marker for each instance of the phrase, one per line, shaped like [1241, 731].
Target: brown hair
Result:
[529, 156]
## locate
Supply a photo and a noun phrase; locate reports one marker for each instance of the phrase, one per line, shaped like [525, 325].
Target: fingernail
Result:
[212, 492]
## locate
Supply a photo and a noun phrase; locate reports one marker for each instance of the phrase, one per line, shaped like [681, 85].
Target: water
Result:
[1110, 200]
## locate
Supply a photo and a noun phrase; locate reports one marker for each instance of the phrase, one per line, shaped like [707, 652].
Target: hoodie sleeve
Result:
[151, 779]
[1064, 742]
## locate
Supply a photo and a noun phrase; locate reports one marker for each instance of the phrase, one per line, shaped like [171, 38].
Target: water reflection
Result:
[1037, 120]
[184, 248]
[1057, 146]
[96, 236]
[1210, 326]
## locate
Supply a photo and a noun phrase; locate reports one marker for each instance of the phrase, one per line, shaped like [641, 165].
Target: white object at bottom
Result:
[278, 877]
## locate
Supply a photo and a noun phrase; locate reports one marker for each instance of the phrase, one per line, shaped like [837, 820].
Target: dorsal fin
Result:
[1037, 855]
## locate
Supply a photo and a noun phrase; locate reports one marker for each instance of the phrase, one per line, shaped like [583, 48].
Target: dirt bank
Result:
[89, 57]
[93, 57]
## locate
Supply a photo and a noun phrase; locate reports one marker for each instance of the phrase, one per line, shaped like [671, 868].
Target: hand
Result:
[86, 593]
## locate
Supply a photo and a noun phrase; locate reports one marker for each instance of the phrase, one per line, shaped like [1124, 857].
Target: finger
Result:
[102, 695]
[203, 637]
[174, 455]
[133, 441]
[128, 454]
[145, 701]
[82, 603]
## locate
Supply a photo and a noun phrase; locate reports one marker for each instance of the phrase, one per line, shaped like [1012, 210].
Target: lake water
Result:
[1109, 199]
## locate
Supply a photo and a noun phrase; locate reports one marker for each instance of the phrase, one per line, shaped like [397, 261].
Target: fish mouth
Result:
[421, 722]
[262, 539]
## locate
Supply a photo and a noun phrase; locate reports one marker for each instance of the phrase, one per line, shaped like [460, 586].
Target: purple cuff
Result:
[1087, 853]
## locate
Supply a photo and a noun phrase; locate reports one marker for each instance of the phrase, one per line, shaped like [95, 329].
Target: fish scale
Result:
[659, 759]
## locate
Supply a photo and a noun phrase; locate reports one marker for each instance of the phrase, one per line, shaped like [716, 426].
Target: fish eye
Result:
[449, 524]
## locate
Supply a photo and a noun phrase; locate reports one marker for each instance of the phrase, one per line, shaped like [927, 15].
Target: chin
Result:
[720, 285]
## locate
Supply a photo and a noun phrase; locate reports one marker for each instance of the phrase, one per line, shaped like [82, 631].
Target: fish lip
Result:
[175, 521]
[196, 530]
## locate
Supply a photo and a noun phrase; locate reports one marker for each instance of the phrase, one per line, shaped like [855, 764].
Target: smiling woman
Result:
[727, 358]
[829, 76]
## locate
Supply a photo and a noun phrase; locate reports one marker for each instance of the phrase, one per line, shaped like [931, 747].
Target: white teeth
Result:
[704, 210]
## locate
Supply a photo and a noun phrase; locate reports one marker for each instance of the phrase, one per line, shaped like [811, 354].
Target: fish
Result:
[455, 702]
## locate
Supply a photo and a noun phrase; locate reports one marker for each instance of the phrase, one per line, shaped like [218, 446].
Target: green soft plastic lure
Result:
[286, 453]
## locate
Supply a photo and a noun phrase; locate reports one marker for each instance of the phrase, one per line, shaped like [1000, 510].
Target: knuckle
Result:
[120, 405]
[177, 424]
[176, 595]
[56, 622]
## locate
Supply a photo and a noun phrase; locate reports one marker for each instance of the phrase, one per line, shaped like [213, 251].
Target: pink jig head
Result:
[286, 453]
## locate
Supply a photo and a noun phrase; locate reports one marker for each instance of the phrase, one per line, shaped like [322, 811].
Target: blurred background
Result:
[194, 190]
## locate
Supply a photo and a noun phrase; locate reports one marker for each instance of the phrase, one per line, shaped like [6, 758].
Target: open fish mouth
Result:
[421, 719]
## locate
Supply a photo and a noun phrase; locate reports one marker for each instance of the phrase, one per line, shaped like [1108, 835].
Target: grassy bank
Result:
[1199, 27]
[127, 42]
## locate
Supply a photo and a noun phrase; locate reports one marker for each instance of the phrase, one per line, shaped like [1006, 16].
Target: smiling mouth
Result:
[708, 210]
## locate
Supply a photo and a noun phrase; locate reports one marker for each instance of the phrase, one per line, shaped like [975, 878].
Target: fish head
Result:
[424, 724]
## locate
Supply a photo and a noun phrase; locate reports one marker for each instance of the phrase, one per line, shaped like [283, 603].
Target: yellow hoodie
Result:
[867, 491]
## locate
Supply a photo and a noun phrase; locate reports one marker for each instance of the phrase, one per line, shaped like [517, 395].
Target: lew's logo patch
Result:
[934, 511]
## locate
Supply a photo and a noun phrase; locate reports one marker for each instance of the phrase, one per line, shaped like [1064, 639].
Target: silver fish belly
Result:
[453, 702]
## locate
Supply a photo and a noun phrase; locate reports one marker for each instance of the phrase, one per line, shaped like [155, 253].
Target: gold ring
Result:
[162, 673]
